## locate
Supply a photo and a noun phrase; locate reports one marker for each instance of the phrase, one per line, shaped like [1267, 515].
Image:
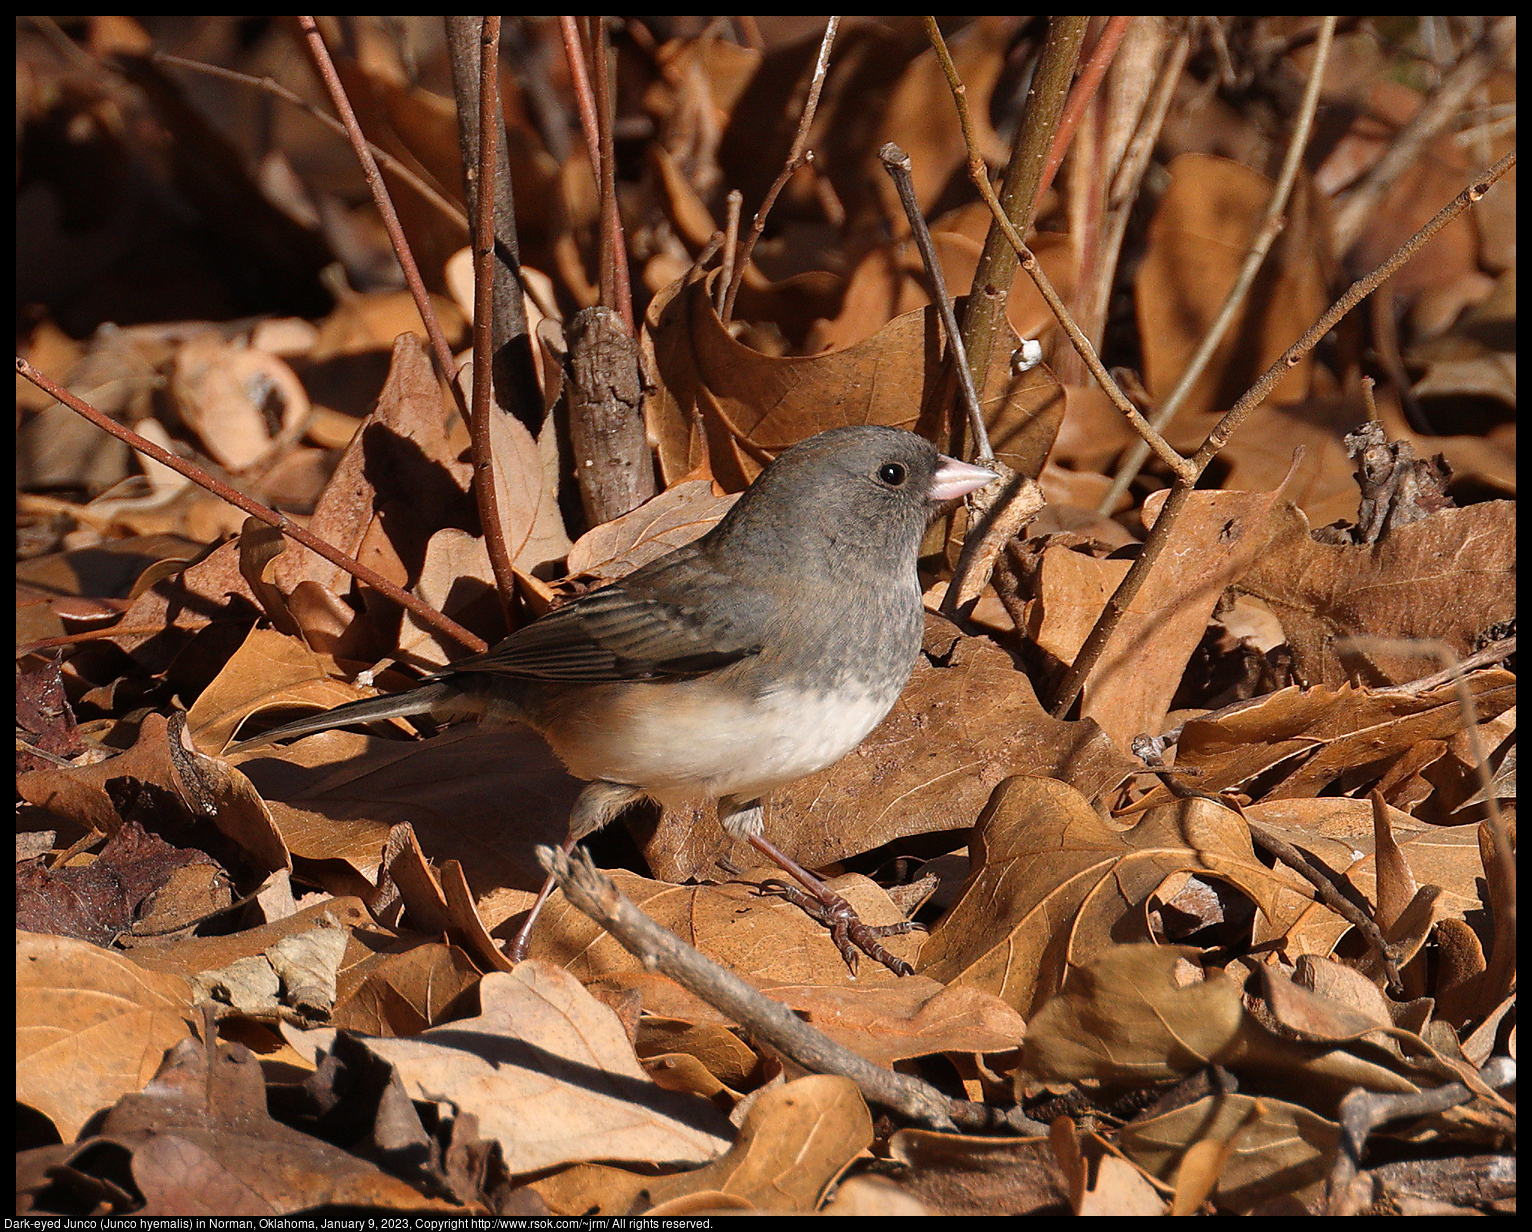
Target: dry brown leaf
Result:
[795, 1140]
[229, 395]
[1215, 541]
[772, 940]
[1447, 577]
[1297, 742]
[1053, 884]
[1277, 1149]
[683, 512]
[91, 1026]
[269, 670]
[752, 406]
[202, 1140]
[484, 796]
[403, 994]
[207, 790]
[1135, 1014]
[543, 1056]
[1202, 230]
[1120, 1189]
[966, 1174]
[397, 482]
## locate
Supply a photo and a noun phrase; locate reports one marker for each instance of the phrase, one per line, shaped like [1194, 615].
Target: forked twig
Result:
[1180, 490]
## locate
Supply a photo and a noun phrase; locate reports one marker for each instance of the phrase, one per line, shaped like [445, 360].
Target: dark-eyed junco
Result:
[762, 652]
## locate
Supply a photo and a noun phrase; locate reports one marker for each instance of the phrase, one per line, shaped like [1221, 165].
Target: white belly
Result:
[700, 743]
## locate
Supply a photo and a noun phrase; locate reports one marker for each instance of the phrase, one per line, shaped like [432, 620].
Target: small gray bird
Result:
[760, 653]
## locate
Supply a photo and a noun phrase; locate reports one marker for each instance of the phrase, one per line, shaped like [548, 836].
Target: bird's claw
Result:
[847, 929]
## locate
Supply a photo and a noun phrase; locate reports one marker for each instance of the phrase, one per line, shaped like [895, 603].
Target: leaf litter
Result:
[275, 983]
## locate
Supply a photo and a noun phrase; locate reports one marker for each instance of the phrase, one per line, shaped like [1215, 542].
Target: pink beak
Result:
[954, 479]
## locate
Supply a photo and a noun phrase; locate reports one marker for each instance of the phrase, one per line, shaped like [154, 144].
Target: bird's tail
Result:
[432, 697]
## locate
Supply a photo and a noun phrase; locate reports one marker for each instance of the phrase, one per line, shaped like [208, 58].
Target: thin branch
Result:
[484, 320]
[984, 320]
[1001, 221]
[659, 949]
[271, 517]
[1329, 894]
[897, 163]
[1180, 490]
[733, 203]
[440, 351]
[1081, 93]
[616, 290]
[1271, 224]
[796, 157]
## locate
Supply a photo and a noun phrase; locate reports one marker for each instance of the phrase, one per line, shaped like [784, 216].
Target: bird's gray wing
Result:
[675, 617]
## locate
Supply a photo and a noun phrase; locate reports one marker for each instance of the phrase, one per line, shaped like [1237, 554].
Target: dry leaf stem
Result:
[659, 949]
[797, 155]
[1181, 489]
[1272, 222]
[448, 209]
[440, 351]
[255, 509]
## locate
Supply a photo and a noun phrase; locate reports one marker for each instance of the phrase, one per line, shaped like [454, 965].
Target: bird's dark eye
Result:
[892, 474]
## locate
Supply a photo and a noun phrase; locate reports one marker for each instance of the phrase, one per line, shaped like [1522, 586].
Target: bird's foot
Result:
[847, 929]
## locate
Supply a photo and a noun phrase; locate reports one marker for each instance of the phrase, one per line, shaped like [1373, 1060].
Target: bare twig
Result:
[585, 101]
[448, 209]
[1331, 896]
[1362, 1111]
[484, 320]
[511, 360]
[594, 102]
[1081, 93]
[983, 323]
[734, 201]
[440, 351]
[1180, 490]
[897, 163]
[616, 292]
[255, 509]
[661, 950]
[1270, 226]
[796, 157]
